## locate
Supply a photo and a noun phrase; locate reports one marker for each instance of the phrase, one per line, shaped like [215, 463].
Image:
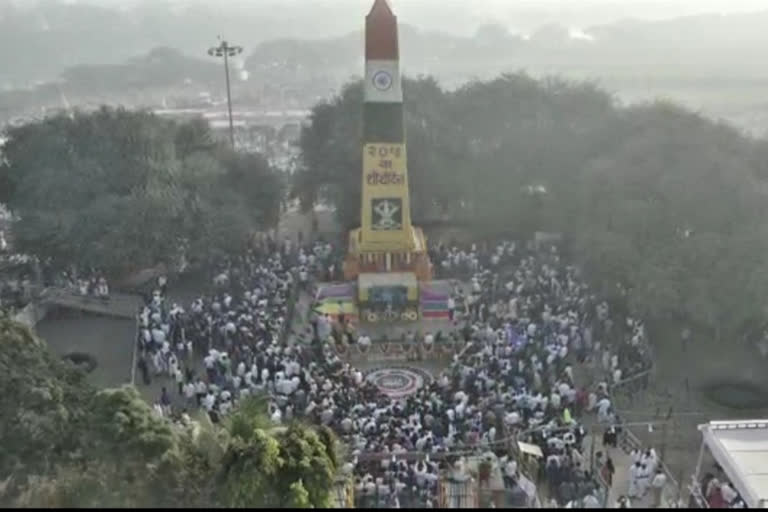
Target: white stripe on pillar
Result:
[383, 82]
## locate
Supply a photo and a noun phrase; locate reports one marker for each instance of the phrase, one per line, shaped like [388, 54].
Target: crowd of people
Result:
[22, 277]
[716, 491]
[526, 316]
[87, 282]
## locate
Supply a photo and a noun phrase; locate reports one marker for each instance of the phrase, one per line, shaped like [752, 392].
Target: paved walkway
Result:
[622, 463]
[620, 455]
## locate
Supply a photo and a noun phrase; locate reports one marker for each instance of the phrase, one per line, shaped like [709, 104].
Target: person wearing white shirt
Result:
[603, 405]
[512, 418]
[644, 479]
[189, 393]
[650, 460]
[179, 376]
[158, 336]
[510, 469]
[590, 501]
[657, 487]
[200, 391]
[729, 493]
[209, 401]
[634, 477]
[568, 372]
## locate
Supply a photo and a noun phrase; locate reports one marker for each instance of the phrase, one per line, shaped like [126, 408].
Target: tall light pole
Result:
[227, 51]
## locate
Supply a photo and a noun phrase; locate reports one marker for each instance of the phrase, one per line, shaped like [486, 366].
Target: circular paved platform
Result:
[398, 381]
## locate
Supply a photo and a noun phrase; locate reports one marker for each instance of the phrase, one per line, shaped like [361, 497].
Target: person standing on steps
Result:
[657, 487]
[608, 470]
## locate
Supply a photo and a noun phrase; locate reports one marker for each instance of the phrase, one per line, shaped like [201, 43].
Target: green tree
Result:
[663, 208]
[119, 190]
[66, 444]
[281, 467]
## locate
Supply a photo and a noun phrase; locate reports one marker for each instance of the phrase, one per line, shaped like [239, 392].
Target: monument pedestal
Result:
[368, 258]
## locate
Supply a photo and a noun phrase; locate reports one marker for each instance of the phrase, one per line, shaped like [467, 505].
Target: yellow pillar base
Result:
[371, 258]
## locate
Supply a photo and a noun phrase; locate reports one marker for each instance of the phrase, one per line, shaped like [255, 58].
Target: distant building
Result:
[273, 133]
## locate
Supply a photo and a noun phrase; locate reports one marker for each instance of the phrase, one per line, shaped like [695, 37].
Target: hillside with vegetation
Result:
[706, 62]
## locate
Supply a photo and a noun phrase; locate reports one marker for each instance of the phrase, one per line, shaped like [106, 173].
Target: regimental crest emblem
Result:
[382, 80]
[387, 214]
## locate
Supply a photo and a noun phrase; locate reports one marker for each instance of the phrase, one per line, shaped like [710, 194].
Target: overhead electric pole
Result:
[227, 51]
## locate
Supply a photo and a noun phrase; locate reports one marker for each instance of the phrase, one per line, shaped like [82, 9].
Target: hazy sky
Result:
[641, 8]
[463, 16]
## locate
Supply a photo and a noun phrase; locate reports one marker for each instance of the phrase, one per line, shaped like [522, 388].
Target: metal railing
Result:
[406, 498]
[454, 493]
[501, 498]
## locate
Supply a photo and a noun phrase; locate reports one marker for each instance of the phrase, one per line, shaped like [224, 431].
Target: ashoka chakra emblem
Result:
[382, 80]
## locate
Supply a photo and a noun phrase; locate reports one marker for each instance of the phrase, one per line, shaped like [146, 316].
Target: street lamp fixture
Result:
[227, 51]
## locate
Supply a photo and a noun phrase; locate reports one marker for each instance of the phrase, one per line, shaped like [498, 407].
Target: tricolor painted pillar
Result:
[386, 209]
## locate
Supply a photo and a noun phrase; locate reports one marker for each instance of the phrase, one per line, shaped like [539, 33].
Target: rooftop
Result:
[741, 449]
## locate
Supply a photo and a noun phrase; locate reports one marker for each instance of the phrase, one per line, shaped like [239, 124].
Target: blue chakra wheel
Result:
[382, 80]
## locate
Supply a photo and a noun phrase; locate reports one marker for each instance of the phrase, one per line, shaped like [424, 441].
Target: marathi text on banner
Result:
[385, 166]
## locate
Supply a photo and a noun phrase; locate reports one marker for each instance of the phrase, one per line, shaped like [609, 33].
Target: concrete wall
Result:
[32, 314]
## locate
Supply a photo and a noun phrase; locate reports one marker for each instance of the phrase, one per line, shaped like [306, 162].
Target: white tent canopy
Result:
[741, 449]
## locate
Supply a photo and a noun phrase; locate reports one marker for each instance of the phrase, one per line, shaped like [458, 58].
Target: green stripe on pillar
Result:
[383, 122]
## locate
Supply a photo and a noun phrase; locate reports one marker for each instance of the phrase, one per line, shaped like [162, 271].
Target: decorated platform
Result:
[335, 299]
[433, 299]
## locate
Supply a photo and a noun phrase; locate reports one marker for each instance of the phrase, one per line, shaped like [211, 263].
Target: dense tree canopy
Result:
[664, 208]
[120, 190]
[66, 444]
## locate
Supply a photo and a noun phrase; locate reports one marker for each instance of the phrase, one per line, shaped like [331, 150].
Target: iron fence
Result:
[385, 498]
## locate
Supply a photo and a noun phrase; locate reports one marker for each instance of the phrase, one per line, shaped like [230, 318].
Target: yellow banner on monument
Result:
[386, 208]
[384, 165]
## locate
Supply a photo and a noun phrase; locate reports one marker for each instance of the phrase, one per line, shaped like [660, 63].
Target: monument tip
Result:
[381, 33]
[381, 8]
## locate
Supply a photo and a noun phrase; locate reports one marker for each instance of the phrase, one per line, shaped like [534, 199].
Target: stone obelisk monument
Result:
[386, 242]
